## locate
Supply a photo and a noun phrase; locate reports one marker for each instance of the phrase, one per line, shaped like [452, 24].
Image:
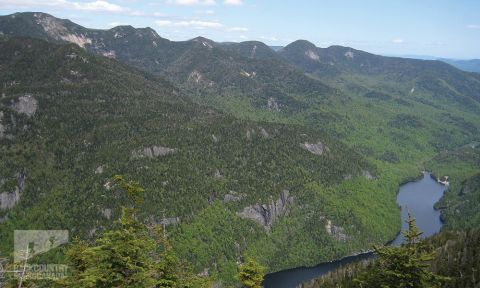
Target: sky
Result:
[440, 28]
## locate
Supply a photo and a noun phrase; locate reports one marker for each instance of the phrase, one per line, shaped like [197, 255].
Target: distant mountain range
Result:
[469, 65]
[239, 141]
[465, 65]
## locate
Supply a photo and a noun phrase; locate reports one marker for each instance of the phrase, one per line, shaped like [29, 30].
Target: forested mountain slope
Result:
[199, 64]
[423, 102]
[461, 168]
[70, 120]
[397, 110]
[396, 76]
[455, 257]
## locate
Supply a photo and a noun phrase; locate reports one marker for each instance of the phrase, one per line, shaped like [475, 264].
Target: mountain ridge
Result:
[218, 135]
[73, 119]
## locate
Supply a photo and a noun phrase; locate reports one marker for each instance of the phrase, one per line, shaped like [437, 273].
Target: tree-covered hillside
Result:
[229, 188]
[448, 259]
[399, 111]
[461, 168]
[247, 151]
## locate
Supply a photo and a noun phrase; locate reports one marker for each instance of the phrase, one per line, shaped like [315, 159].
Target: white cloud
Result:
[192, 2]
[473, 26]
[114, 24]
[398, 41]
[204, 2]
[233, 2]
[189, 23]
[94, 6]
[238, 29]
[205, 12]
[269, 38]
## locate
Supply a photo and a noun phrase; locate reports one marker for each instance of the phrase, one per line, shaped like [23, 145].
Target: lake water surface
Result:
[417, 197]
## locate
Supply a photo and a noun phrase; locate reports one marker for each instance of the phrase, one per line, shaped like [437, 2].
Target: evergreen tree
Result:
[251, 274]
[132, 255]
[404, 266]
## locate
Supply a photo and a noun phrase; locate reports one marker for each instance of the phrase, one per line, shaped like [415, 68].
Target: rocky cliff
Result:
[266, 214]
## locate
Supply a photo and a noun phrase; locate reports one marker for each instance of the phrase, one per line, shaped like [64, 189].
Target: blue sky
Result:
[393, 27]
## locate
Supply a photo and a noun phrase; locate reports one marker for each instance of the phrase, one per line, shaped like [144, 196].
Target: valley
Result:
[291, 156]
[417, 198]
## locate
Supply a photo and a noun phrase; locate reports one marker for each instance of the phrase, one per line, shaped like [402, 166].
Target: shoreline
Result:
[364, 253]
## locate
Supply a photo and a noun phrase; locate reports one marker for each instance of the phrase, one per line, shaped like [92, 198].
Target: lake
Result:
[417, 197]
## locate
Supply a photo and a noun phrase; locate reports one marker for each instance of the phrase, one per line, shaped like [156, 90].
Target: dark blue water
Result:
[417, 197]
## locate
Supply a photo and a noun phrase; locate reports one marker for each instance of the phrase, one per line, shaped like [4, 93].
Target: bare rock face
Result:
[195, 78]
[315, 148]
[55, 29]
[3, 129]
[8, 200]
[337, 232]
[260, 131]
[154, 151]
[217, 174]
[367, 174]
[110, 54]
[108, 186]
[349, 54]
[99, 169]
[107, 213]
[26, 105]
[273, 105]
[92, 232]
[250, 133]
[232, 196]
[266, 214]
[170, 221]
[312, 55]
[165, 221]
[264, 133]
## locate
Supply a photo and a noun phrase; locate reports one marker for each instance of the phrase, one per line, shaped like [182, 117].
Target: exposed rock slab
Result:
[3, 129]
[170, 221]
[367, 174]
[26, 105]
[272, 105]
[57, 30]
[264, 133]
[337, 232]
[267, 214]
[232, 196]
[8, 200]
[314, 148]
[349, 54]
[164, 221]
[154, 151]
[99, 169]
[107, 213]
[312, 55]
